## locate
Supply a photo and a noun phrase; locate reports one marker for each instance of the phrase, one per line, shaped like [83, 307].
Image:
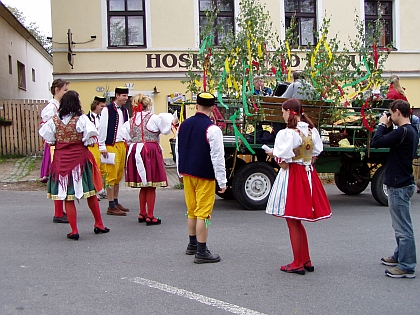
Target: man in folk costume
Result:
[111, 140]
[200, 160]
[94, 116]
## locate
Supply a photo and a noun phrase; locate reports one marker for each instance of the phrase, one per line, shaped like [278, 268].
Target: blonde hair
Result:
[395, 81]
[145, 101]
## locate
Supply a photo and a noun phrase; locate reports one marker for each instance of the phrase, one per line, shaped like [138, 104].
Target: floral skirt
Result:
[77, 185]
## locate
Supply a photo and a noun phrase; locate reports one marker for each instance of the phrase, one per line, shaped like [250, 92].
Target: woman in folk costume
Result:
[145, 168]
[58, 88]
[74, 173]
[297, 192]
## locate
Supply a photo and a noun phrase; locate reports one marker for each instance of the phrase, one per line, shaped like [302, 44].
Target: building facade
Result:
[145, 44]
[25, 67]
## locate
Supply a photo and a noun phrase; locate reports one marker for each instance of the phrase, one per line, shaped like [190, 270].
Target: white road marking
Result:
[232, 308]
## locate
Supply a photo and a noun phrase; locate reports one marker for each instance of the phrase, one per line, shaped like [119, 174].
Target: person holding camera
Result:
[399, 179]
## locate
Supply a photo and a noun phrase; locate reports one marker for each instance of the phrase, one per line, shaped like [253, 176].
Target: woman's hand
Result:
[284, 165]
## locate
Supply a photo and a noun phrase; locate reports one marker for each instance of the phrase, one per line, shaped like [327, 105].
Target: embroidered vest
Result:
[194, 148]
[149, 136]
[113, 119]
[67, 133]
[304, 152]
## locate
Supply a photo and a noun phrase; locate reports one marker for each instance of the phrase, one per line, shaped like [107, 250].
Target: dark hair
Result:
[294, 105]
[402, 106]
[58, 83]
[94, 104]
[70, 104]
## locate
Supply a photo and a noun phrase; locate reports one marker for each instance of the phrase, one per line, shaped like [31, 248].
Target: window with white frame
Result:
[304, 12]
[375, 9]
[126, 23]
[225, 20]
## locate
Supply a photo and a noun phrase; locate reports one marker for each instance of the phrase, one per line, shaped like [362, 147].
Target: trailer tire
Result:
[351, 185]
[379, 190]
[228, 194]
[252, 185]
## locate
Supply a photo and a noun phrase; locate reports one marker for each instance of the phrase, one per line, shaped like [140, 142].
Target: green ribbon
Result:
[239, 135]
[207, 222]
[365, 77]
[220, 90]
[244, 95]
[207, 42]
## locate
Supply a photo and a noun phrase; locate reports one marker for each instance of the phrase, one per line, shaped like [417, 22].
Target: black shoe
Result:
[308, 266]
[153, 221]
[100, 231]
[191, 249]
[206, 258]
[62, 219]
[73, 236]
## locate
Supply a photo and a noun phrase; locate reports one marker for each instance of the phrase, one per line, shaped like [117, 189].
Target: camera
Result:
[388, 114]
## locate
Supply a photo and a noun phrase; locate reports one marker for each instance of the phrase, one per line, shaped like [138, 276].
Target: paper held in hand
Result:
[109, 160]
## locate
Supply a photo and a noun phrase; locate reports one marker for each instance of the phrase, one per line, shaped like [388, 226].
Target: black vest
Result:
[194, 148]
[113, 117]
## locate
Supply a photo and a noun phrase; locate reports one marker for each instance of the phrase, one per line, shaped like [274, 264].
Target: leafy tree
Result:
[32, 28]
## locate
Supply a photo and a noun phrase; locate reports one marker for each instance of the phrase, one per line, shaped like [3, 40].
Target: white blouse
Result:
[48, 130]
[161, 123]
[288, 139]
[50, 110]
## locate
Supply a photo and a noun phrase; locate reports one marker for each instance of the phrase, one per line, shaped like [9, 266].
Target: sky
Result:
[38, 11]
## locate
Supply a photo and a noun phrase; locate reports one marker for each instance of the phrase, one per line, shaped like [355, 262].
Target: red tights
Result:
[58, 208]
[147, 196]
[72, 214]
[299, 242]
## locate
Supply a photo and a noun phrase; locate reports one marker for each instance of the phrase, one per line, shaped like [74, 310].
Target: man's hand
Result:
[222, 190]
[104, 153]
[386, 120]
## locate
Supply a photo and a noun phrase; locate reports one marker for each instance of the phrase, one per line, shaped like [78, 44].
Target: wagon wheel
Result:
[379, 190]
[354, 182]
[228, 194]
[252, 185]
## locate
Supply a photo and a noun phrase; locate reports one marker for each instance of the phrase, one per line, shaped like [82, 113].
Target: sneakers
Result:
[62, 219]
[206, 258]
[115, 211]
[191, 249]
[102, 195]
[395, 272]
[389, 261]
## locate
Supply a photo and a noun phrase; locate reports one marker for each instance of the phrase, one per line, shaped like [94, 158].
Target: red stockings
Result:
[58, 208]
[72, 214]
[147, 196]
[299, 242]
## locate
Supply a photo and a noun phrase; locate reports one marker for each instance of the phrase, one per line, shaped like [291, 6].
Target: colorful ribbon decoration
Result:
[239, 135]
[369, 126]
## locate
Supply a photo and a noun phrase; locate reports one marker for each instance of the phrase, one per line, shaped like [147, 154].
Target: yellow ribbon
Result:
[289, 56]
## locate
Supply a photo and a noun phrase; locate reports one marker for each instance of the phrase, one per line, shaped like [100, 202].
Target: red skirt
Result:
[152, 157]
[303, 196]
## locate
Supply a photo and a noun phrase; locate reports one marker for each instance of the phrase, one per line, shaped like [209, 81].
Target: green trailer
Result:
[251, 174]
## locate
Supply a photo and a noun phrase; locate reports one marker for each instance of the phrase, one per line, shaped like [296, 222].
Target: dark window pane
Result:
[370, 8]
[134, 5]
[225, 5]
[227, 27]
[135, 30]
[307, 6]
[307, 31]
[117, 31]
[205, 5]
[385, 8]
[116, 5]
[291, 5]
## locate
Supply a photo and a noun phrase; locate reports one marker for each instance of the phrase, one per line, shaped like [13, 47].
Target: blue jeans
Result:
[399, 207]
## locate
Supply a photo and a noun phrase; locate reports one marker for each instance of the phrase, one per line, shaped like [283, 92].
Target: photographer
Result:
[399, 179]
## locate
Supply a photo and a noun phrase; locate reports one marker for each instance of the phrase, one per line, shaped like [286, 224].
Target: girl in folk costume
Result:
[145, 168]
[74, 173]
[297, 192]
[58, 88]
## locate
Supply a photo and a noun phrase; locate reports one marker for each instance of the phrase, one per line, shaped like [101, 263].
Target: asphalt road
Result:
[139, 269]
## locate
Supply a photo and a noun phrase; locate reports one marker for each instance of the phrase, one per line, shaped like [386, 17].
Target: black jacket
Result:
[403, 143]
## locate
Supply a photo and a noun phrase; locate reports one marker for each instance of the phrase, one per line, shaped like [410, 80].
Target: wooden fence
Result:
[19, 131]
